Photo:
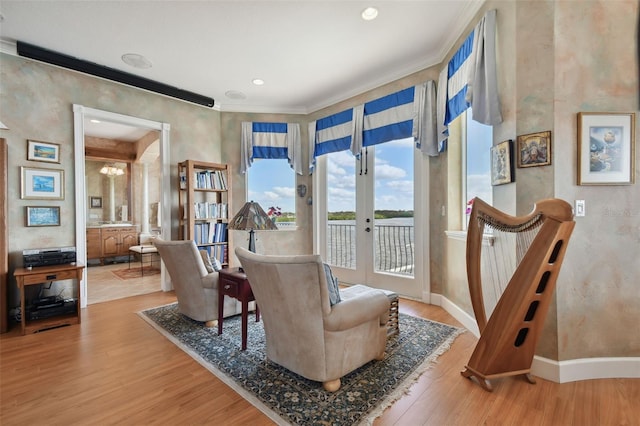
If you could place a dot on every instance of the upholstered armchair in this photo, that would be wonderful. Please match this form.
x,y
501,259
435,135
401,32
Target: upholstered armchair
x,y
196,288
304,332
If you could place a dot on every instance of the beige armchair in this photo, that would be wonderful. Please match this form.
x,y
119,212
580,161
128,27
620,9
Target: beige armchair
x,y
196,288
304,333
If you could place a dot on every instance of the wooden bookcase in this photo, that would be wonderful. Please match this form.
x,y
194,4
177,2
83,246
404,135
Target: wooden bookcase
x,y
205,206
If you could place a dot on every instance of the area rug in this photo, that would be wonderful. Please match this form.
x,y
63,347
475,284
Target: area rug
x,y
135,272
287,398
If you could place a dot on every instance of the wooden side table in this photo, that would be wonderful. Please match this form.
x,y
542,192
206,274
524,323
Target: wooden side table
x,y
40,275
232,282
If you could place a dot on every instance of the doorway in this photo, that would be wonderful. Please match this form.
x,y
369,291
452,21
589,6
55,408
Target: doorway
x,y
370,225
81,115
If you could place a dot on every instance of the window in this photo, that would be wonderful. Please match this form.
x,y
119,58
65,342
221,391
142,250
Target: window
x,y
477,142
469,167
271,183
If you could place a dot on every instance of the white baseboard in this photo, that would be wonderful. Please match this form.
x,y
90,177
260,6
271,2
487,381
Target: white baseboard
x,y
557,371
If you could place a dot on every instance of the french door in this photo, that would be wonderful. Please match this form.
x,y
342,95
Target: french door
x,y
369,210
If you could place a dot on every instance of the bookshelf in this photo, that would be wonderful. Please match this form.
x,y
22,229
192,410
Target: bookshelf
x,y
204,203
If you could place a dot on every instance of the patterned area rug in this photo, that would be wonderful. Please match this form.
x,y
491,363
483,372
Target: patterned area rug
x,y
126,274
290,399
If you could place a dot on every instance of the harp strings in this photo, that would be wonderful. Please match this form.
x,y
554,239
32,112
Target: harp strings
x,y
500,260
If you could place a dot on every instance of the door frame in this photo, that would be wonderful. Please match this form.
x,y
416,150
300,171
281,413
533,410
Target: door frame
x,y
80,113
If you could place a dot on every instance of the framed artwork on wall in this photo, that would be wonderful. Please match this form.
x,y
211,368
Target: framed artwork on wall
x,y
42,184
502,163
534,149
43,216
606,148
95,202
43,151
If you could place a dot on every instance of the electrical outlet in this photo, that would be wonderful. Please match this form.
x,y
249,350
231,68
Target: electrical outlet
x,y
580,208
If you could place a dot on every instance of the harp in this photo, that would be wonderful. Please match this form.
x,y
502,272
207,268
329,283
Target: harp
x,y
512,278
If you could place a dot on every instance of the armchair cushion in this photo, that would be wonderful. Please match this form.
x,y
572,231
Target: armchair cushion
x,y
332,285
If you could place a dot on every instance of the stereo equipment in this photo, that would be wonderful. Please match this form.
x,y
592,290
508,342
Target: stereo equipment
x,y
49,256
51,309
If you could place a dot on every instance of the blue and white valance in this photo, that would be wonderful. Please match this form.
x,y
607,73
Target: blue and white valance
x,y
271,140
471,78
400,115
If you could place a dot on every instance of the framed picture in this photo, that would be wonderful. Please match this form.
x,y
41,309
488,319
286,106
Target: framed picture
x,y
42,184
43,216
534,149
95,202
606,144
43,151
502,163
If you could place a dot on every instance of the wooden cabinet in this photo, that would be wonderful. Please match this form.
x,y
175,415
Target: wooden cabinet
x,y
117,240
94,243
205,202
110,241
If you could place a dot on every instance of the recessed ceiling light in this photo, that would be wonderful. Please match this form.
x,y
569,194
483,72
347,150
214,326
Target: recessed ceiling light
x,y
369,13
93,120
136,61
235,94
258,81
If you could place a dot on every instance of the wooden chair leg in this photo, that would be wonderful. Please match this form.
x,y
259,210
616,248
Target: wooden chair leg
x,y
331,385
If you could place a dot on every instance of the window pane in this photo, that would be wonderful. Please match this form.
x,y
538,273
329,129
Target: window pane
x,y
271,183
341,209
478,155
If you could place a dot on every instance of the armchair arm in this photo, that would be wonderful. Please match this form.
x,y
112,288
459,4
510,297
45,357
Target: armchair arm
x,y
357,310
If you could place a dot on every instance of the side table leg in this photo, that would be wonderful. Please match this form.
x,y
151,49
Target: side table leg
x,y
245,318
220,311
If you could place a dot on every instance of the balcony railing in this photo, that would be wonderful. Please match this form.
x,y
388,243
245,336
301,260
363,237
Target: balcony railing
x,y
394,247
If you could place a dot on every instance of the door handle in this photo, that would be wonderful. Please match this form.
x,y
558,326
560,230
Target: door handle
x,y
367,229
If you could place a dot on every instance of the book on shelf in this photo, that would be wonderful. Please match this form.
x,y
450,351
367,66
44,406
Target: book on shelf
x,y
210,179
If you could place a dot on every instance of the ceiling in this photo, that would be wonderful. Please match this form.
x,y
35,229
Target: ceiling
x,y
310,54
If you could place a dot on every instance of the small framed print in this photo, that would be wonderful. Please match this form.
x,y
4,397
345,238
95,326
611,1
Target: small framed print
x,y
43,151
502,163
534,149
95,202
606,145
43,216
42,184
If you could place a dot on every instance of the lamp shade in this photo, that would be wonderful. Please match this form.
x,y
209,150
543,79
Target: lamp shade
x,y
252,217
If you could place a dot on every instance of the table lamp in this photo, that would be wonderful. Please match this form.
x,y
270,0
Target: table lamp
x,y
251,217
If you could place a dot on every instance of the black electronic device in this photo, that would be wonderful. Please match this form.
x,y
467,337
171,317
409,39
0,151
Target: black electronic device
x,y
58,307
48,256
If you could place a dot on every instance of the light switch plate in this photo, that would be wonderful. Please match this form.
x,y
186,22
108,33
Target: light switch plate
x,y
580,208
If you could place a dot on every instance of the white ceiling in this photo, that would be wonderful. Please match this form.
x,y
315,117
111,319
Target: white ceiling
x,y
311,54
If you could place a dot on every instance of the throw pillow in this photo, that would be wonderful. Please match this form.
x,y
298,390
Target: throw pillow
x,y
332,285
207,262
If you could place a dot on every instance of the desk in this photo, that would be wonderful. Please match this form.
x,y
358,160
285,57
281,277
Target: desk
x,y
142,250
232,282
40,275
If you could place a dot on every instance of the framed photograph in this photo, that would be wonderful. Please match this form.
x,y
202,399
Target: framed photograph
x,y
43,216
43,151
95,202
42,184
606,144
534,149
502,163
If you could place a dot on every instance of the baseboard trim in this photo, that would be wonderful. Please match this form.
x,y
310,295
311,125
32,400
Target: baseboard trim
x,y
556,371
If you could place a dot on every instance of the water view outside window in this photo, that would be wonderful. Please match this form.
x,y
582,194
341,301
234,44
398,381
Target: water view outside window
x,y
271,183
392,220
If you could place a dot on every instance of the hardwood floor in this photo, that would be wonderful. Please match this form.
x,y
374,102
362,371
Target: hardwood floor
x,y
114,368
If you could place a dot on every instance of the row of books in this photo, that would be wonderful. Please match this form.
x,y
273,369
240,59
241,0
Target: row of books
x,y
207,210
210,232
219,252
205,179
